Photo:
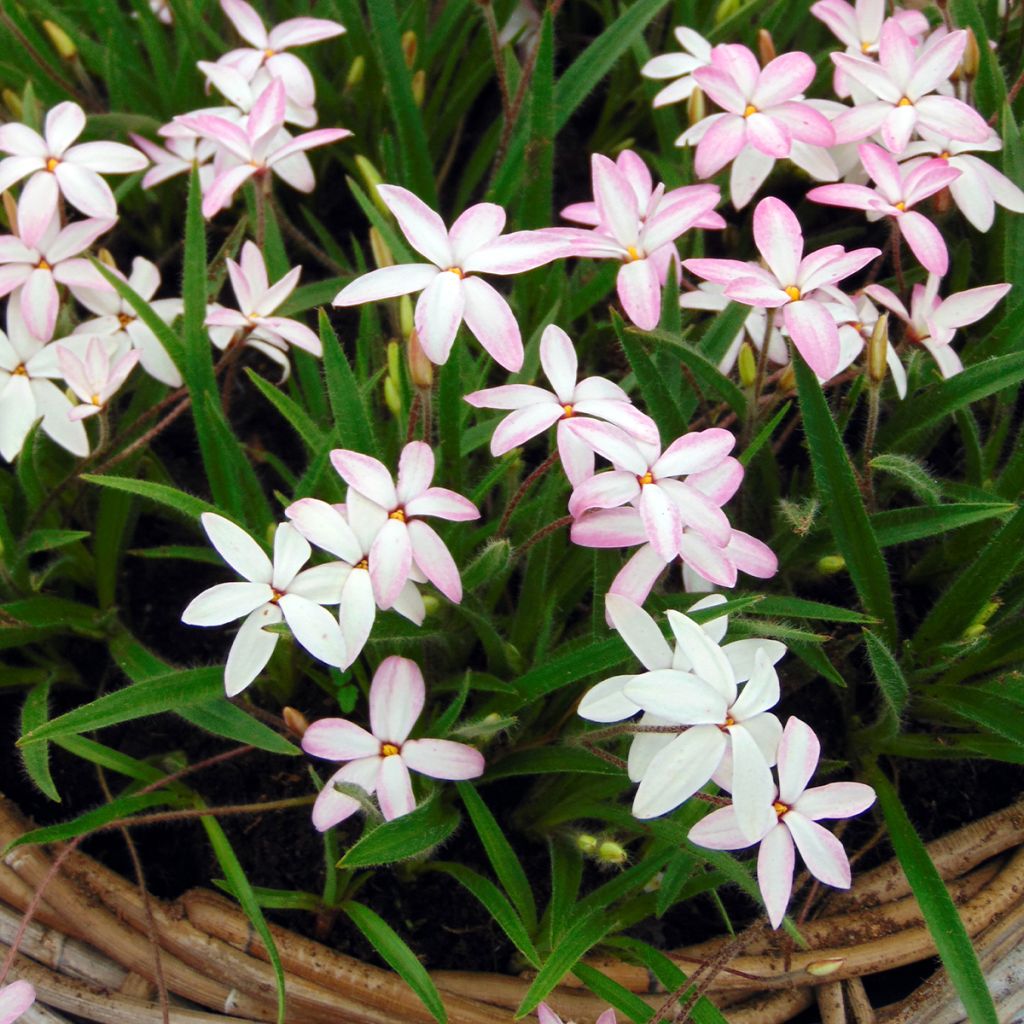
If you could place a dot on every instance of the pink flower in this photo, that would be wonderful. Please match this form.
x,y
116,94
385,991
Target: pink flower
x,y
268,593
379,760
762,107
679,66
897,188
95,379
638,224
15,999
405,541
58,168
348,532
254,323
267,48
545,1015
980,187
932,322
242,92
451,290
37,269
788,278
903,83
536,409
258,147
796,811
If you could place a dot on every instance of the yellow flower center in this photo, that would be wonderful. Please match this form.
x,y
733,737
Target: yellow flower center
x,y
567,409
19,371
364,564
647,478
124,319
96,400
729,720
43,265
905,102
751,109
276,595
633,253
780,809
457,271
399,514
51,164
901,206
793,292
267,54
865,47
945,155
388,750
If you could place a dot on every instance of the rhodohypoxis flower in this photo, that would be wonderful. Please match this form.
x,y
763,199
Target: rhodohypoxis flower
x,y
271,591
183,151
795,813
348,531
27,392
860,26
15,999
254,323
898,187
788,278
451,290
242,92
649,479
115,318
980,187
379,760
904,82
94,378
535,409
268,48
638,224
260,145
679,66
36,269
545,1015
932,322
58,168
405,541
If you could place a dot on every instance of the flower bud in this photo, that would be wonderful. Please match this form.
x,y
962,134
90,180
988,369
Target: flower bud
x,y
410,45
295,720
695,106
488,564
431,605
978,625
13,103
11,209
878,348
942,202
381,253
971,59
394,369
62,42
391,397
726,9
421,369
371,176
419,87
611,852
586,843
831,564
106,257
765,46
356,72
747,365
787,379
823,968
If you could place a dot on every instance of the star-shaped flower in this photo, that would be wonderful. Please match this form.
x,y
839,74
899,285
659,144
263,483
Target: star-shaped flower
x,y
95,378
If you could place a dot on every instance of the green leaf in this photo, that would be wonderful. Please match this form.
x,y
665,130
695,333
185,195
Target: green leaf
x,y
800,608
989,710
989,84
34,713
352,421
613,993
888,673
537,206
51,540
910,473
501,855
398,955
764,435
902,525
408,836
496,904
947,930
571,667
840,495
276,899
225,719
25,619
657,398
549,760
300,420
170,497
711,380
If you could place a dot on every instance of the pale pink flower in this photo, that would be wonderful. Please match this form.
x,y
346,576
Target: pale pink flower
x,y
980,187
243,92
638,224
405,542
795,813
37,269
932,322
451,289
904,82
181,152
254,323
545,1015
259,146
267,49
650,480
59,168
117,320
679,66
348,532
788,278
27,392
535,409
897,189
15,999
859,27
271,591
379,760
95,378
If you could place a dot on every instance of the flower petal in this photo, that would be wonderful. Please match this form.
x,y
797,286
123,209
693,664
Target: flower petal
x,y
420,224
836,800
439,311
367,475
336,739
443,759
386,283
798,757
316,629
822,852
492,322
394,788
237,548
390,561
397,695
815,335
332,807
775,863
251,649
779,238
640,632
679,770
225,602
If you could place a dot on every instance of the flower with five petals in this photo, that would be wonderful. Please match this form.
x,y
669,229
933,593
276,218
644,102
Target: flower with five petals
x,y
94,378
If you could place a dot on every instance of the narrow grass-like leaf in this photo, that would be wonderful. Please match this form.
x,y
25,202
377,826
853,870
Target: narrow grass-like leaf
x,y
187,505
550,760
351,418
571,667
657,398
764,435
940,914
801,608
611,992
34,713
222,718
989,84
408,836
902,525
839,493
989,710
888,673
301,422
537,206
910,473
705,371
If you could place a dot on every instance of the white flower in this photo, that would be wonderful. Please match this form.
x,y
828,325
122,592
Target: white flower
x,y
95,379
679,66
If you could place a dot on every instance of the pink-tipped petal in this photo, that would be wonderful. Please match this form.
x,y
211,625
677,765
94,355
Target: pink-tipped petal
x,y
798,757
822,852
443,759
367,475
434,560
782,79
836,800
516,429
639,292
925,241
721,143
397,695
421,226
443,504
492,322
611,528
438,314
779,238
332,807
390,561
336,739
815,335
775,862
558,358
476,227
394,789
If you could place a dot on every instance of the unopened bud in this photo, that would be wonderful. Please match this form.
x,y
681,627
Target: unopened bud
x,y
485,568
371,176
748,365
973,632
586,843
726,9
295,720
695,106
977,626
381,253
12,101
431,605
406,321
831,564
11,209
421,369
878,348
787,379
823,968
391,397
942,202
971,60
765,46
419,87
62,42
611,852
410,45
106,257
394,370
355,72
